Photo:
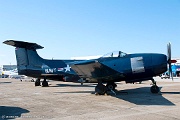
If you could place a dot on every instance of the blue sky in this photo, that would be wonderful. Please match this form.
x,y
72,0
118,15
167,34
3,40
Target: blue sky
x,y
68,28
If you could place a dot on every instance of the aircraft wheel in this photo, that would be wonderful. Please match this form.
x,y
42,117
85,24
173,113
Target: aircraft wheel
x,y
45,83
154,89
37,82
111,86
100,89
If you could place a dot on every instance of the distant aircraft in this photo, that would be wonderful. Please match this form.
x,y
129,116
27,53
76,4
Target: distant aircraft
x,y
111,68
10,74
1,71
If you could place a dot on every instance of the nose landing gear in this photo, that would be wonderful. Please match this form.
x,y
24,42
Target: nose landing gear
x,y
154,87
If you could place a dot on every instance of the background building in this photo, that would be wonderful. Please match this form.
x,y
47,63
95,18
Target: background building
x,y
8,67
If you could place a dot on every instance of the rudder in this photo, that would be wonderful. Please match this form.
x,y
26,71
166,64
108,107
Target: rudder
x,y
26,55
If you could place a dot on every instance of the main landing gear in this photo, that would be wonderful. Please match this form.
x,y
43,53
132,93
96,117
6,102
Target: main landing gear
x,y
37,82
154,87
44,83
101,89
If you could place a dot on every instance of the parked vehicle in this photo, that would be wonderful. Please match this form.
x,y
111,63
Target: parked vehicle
x,y
165,75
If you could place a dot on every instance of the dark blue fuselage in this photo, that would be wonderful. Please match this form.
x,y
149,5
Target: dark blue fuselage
x,y
129,68
116,66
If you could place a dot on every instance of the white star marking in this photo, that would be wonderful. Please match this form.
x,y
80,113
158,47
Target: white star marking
x,y
67,68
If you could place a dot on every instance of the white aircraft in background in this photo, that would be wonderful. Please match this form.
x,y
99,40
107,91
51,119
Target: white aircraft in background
x,y
1,71
10,74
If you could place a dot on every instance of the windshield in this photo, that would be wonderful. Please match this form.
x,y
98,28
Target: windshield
x,y
115,54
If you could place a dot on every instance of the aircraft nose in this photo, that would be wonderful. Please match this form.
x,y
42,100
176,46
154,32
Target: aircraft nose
x,y
159,62
159,59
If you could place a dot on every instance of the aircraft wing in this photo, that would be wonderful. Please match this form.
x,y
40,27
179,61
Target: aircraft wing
x,y
94,70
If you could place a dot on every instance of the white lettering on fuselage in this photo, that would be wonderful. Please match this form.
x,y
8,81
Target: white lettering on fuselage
x,y
50,70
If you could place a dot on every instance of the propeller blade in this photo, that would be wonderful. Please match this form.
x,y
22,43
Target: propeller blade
x,y
169,59
169,52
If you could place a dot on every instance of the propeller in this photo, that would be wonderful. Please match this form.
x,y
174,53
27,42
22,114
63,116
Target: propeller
x,y
169,59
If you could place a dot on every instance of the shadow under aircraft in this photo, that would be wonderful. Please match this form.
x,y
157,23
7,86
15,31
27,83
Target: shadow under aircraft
x,y
9,112
111,68
138,96
141,96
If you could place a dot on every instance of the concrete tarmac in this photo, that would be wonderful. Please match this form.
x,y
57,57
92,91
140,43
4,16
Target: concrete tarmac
x,y
71,101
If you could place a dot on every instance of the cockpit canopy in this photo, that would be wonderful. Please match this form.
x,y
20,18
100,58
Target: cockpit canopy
x,y
114,54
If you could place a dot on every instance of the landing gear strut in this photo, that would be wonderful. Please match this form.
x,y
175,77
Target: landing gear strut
x,y
154,87
100,89
82,80
45,83
37,82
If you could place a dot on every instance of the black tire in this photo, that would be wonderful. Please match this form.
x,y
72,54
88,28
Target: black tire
x,y
37,83
45,84
111,86
154,89
100,89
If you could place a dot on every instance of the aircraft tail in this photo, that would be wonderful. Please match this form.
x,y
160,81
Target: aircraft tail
x,y
29,63
26,55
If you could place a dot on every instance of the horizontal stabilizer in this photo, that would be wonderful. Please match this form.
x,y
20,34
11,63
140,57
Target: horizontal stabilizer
x,y
22,44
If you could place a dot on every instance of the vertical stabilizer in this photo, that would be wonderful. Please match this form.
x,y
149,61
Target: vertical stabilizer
x,y
26,55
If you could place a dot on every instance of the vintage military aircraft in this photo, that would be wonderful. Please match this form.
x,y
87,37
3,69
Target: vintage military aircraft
x,y
111,68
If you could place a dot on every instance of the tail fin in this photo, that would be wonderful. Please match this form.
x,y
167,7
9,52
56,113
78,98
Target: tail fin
x,y
26,55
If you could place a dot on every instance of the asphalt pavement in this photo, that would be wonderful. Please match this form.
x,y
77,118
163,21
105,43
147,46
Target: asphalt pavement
x,y
71,101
